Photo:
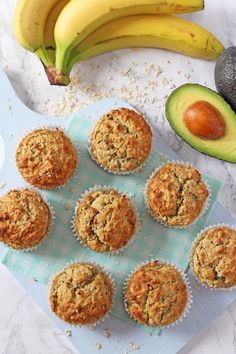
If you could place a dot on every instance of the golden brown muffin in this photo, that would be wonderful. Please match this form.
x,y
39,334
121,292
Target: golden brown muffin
x,y
156,294
176,194
105,220
24,219
81,294
46,158
213,257
121,141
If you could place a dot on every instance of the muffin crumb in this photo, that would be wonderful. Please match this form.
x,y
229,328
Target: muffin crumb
x,y
68,333
98,346
106,333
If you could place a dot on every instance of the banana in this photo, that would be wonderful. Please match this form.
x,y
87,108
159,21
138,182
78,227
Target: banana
x,y
155,31
49,40
32,29
80,18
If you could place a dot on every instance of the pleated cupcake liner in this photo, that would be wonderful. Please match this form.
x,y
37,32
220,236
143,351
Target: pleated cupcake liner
x,y
50,226
184,278
124,173
51,128
159,220
102,269
137,226
198,238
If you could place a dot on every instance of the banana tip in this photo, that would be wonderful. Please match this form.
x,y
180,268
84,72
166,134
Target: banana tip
x,y
56,77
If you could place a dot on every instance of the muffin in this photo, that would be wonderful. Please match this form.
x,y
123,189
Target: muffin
x,y
121,141
81,294
105,220
25,219
213,257
46,158
176,194
156,295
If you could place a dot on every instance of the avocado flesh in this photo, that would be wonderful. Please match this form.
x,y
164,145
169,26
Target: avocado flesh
x,y
185,95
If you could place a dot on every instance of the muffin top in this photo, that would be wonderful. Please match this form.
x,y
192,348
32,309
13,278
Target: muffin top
x,y
213,257
24,219
105,220
176,194
46,158
81,294
156,295
121,140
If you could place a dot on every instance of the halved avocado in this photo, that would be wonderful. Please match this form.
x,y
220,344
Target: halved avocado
x,y
185,96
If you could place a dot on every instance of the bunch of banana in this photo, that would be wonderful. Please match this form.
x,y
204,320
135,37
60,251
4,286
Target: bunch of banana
x,y
62,32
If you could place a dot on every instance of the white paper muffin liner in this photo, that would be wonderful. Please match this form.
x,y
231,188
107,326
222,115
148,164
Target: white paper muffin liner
x,y
185,279
106,188
138,168
198,237
101,268
204,208
50,226
51,128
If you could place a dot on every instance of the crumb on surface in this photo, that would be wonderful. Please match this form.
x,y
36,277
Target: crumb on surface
x,y
67,206
68,333
106,333
98,346
133,346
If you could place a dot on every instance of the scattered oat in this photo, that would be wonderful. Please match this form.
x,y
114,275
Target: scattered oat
x,y
67,206
98,346
106,333
72,190
68,333
92,327
133,346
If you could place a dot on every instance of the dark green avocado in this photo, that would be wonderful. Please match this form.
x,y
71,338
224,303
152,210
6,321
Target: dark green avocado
x,y
225,76
185,96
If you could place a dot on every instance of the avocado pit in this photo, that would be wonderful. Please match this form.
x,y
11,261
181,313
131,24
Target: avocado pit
x,y
203,120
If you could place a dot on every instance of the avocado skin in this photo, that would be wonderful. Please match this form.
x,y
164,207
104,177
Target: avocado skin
x,y
225,75
201,149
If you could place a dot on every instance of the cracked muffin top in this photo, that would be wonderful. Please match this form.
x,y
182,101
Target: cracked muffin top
x,y
156,294
24,219
121,141
105,220
81,294
46,158
213,257
176,194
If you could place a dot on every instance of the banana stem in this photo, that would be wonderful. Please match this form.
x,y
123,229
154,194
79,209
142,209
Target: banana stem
x,y
45,57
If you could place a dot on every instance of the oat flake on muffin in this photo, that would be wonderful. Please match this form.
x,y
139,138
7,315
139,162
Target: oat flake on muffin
x,y
81,294
25,219
156,295
121,141
46,158
213,257
176,194
105,220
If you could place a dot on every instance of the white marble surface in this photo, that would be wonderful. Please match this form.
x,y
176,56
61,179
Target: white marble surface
x,y
135,76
